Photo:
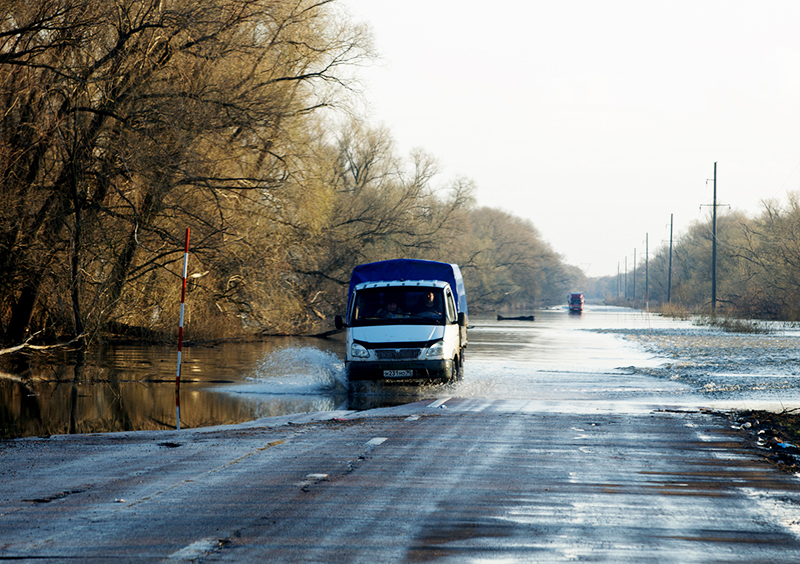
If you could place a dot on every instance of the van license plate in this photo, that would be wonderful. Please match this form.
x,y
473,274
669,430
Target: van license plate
x,y
398,373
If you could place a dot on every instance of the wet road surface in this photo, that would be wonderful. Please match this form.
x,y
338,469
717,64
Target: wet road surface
x,y
447,480
556,447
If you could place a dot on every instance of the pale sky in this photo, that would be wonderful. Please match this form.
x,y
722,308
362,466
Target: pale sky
x,y
595,119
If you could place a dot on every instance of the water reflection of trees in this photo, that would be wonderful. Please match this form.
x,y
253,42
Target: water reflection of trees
x,y
133,388
77,405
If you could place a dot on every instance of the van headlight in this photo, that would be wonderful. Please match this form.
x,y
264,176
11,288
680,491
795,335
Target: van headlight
x,y
358,351
436,350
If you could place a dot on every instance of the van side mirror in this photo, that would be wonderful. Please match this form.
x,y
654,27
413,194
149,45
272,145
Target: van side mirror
x,y
462,319
338,322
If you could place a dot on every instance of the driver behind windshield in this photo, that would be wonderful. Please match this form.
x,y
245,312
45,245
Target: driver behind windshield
x,y
429,305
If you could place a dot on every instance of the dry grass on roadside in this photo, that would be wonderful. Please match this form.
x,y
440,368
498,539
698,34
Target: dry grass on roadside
x,y
731,325
674,310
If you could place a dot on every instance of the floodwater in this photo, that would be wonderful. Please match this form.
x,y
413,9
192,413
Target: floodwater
x,y
604,359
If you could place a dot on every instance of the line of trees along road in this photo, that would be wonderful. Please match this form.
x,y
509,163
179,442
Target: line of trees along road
x,y
125,122
758,266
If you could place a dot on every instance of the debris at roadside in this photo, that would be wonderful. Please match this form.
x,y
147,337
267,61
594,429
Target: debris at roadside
x,y
776,436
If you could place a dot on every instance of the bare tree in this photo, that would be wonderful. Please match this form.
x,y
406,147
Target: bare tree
x,y
125,121
380,206
508,264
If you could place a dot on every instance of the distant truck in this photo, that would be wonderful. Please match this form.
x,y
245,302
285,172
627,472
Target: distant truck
x,y
575,301
406,320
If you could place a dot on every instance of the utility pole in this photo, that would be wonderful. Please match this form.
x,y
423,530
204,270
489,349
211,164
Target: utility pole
x,y
669,272
626,278
714,250
634,277
714,246
647,271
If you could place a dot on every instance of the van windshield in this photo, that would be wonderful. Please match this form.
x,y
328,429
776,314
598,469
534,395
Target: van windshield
x,y
393,305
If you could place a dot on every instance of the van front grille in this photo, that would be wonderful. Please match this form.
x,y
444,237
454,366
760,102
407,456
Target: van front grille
x,y
395,354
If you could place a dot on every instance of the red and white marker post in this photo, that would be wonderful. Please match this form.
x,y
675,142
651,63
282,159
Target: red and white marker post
x,y
180,335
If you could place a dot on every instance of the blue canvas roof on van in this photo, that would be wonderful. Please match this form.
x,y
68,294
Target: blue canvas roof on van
x,y
411,269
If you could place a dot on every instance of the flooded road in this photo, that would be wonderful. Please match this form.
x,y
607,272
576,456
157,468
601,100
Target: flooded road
x,y
570,439
620,358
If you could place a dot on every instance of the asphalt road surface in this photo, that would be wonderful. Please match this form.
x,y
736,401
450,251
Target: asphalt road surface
x,y
446,480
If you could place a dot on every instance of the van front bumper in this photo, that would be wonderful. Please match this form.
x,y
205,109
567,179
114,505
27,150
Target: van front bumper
x,y
412,370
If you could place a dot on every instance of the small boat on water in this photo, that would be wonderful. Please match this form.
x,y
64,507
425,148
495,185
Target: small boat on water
x,y
518,318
